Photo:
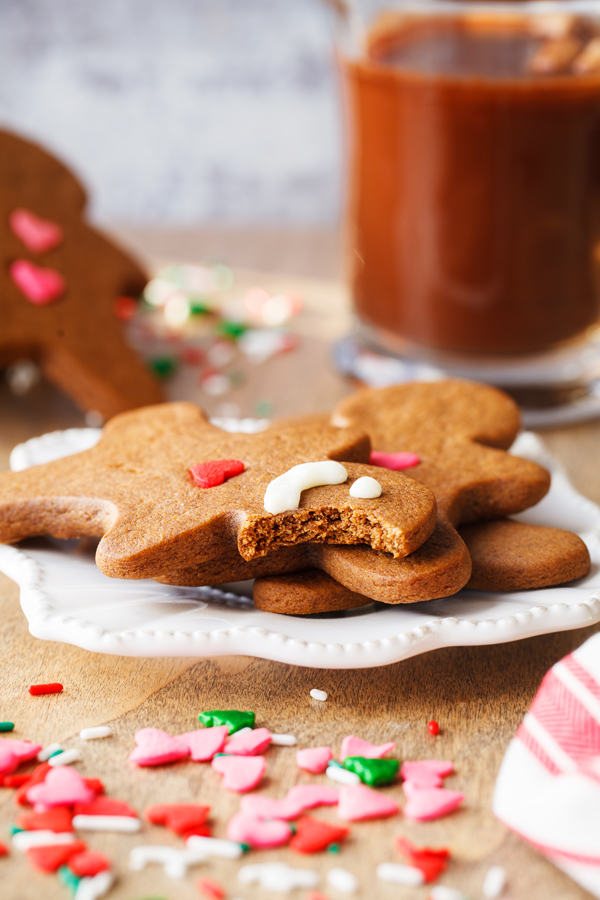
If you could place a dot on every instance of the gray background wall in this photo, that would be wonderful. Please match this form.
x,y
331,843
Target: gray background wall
x,y
181,111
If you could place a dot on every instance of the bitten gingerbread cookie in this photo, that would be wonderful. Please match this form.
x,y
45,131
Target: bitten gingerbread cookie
x,y
139,488
60,279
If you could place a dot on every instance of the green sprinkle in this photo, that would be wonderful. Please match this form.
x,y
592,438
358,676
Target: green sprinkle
x,y
69,879
292,828
337,765
245,847
264,409
14,829
199,308
373,771
333,848
163,366
7,726
56,753
233,718
231,329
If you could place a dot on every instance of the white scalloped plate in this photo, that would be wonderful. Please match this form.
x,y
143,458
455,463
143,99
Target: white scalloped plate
x,y
66,598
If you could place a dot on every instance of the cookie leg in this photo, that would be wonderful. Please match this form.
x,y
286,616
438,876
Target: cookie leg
x,y
511,556
303,593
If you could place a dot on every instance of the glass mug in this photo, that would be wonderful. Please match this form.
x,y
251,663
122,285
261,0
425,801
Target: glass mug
x,y
474,197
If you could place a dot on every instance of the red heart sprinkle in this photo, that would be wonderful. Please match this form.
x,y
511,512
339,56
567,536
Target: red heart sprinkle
x,y
95,784
3,850
35,777
431,862
88,863
49,859
37,234
104,806
40,286
58,819
210,474
211,889
177,817
313,835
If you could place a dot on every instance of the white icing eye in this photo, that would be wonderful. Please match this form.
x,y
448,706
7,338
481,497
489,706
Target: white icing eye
x,y
366,488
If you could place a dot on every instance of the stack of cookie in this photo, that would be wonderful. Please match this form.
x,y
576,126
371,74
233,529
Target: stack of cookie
x,y
325,515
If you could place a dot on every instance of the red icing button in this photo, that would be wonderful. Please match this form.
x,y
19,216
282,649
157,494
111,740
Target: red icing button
x,y
210,474
88,863
313,835
178,817
40,286
125,308
58,819
49,859
37,234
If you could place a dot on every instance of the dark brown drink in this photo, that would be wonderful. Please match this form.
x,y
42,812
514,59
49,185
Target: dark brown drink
x,y
475,193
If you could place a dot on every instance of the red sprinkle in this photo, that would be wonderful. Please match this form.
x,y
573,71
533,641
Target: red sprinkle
x,y
313,835
433,727
88,863
51,858
431,862
14,781
211,889
54,688
210,474
3,850
316,895
125,308
36,777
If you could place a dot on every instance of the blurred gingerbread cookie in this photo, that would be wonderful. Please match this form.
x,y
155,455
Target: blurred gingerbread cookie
x,y
60,280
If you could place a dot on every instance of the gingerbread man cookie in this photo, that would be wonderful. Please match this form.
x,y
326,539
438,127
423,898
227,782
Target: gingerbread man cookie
x,y
60,279
138,489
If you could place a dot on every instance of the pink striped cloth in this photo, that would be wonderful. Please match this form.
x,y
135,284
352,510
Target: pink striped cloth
x,y
548,787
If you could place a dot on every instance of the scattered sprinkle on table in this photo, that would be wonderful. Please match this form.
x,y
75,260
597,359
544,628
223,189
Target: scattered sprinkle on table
x,y
64,758
49,751
342,880
341,775
7,726
442,892
210,888
92,734
433,727
392,873
284,740
107,823
318,695
37,689
494,883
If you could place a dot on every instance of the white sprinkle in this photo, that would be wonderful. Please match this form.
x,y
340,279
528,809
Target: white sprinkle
x,y
127,824
342,880
442,892
284,740
244,730
47,752
366,488
91,888
175,862
91,734
63,759
215,846
342,776
23,840
278,876
397,874
318,695
494,883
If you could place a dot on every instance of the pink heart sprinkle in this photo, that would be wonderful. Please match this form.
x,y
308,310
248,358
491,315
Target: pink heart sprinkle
x,y
62,786
40,286
37,234
297,800
251,743
429,803
204,742
394,461
13,753
254,831
314,759
359,802
353,746
240,773
155,747
426,772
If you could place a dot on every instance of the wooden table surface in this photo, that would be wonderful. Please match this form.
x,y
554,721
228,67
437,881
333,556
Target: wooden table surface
x,y
479,695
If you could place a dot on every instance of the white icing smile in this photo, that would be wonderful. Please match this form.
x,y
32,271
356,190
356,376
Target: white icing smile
x,y
284,492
